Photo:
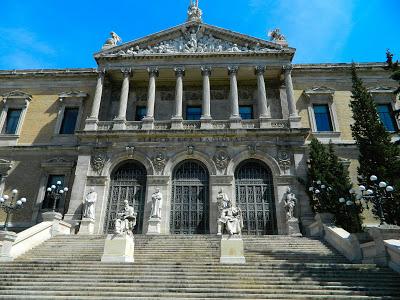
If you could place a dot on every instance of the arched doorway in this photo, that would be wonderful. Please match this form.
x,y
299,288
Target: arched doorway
x,y
128,182
255,196
190,199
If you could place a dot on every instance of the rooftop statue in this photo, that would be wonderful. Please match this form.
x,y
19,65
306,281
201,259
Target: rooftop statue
x,y
194,12
277,37
113,41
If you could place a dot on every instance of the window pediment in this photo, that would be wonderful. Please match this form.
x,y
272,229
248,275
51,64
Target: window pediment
x,y
319,92
17,99
72,97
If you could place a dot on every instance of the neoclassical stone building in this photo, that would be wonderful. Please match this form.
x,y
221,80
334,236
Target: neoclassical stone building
x,y
190,110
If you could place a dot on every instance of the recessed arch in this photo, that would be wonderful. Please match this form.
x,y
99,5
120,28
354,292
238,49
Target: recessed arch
x,y
255,196
127,182
196,155
190,198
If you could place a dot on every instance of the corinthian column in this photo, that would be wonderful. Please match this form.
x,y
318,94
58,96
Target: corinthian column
x,y
119,122
177,118
206,105
294,118
234,97
91,122
148,121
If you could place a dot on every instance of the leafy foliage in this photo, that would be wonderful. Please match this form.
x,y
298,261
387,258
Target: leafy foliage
x,y
395,68
324,166
377,154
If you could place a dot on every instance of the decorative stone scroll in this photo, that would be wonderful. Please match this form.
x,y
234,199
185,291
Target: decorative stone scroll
x,y
97,161
159,162
284,161
221,159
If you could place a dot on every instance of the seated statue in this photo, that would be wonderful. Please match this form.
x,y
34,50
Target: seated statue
x,y
126,220
230,219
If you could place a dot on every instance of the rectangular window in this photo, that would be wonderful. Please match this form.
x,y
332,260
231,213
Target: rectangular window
x,y
48,201
193,112
68,123
322,117
386,115
141,112
12,120
246,112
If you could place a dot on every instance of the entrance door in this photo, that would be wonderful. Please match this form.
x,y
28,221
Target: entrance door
x,y
128,182
190,203
255,196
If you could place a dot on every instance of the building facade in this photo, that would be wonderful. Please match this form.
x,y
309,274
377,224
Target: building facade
x,y
191,110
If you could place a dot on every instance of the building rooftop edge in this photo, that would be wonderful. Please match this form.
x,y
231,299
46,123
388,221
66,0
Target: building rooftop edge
x,y
78,71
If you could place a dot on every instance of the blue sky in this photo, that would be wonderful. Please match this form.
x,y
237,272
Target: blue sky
x,y
66,33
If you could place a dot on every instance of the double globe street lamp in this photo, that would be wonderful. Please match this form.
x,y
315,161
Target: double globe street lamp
x,y
10,206
56,192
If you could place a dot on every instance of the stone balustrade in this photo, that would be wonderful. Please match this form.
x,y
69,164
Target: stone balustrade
x,y
190,125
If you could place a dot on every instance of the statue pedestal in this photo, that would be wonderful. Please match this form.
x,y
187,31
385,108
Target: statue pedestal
x,y
232,250
154,226
87,226
7,238
293,227
118,248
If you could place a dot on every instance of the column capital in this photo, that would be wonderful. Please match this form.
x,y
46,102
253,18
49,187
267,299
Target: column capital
x,y
179,71
126,72
233,70
101,72
288,68
206,70
258,70
153,71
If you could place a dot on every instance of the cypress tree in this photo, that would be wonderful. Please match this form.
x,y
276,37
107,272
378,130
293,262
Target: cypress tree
x,y
377,154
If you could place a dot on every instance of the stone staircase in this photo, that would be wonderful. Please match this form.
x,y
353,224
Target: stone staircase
x,y
187,267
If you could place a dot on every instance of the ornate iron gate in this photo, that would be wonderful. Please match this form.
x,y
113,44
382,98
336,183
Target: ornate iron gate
x,y
255,196
189,205
128,182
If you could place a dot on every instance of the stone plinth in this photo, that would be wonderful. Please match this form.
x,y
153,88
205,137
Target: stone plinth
x,y
235,122
119,249
154,226
380,234
232,251
7,238
51,216
87,226
265,122
393,250
293,227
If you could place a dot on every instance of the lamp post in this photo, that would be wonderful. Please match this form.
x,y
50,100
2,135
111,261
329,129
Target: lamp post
x,y
376,192
347,204
10,206
56,192
319,191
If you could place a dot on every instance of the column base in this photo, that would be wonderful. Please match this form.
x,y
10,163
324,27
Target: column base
x,y
265,122
232,250
7,238
206,122
154,226
295,122
119,249
177,123
235,122
119,124
87,226
148,123
91,124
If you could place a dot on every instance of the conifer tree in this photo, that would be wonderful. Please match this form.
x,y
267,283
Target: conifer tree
x,y
324,166
377,154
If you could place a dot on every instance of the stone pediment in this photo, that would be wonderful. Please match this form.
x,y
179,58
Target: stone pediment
x,y
382,89
17,94
193,38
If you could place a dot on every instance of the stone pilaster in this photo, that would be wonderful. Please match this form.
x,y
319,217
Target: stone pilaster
x,y
235,118
91,122
177,118
148,121
119,122
294,118
264,110
206,105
